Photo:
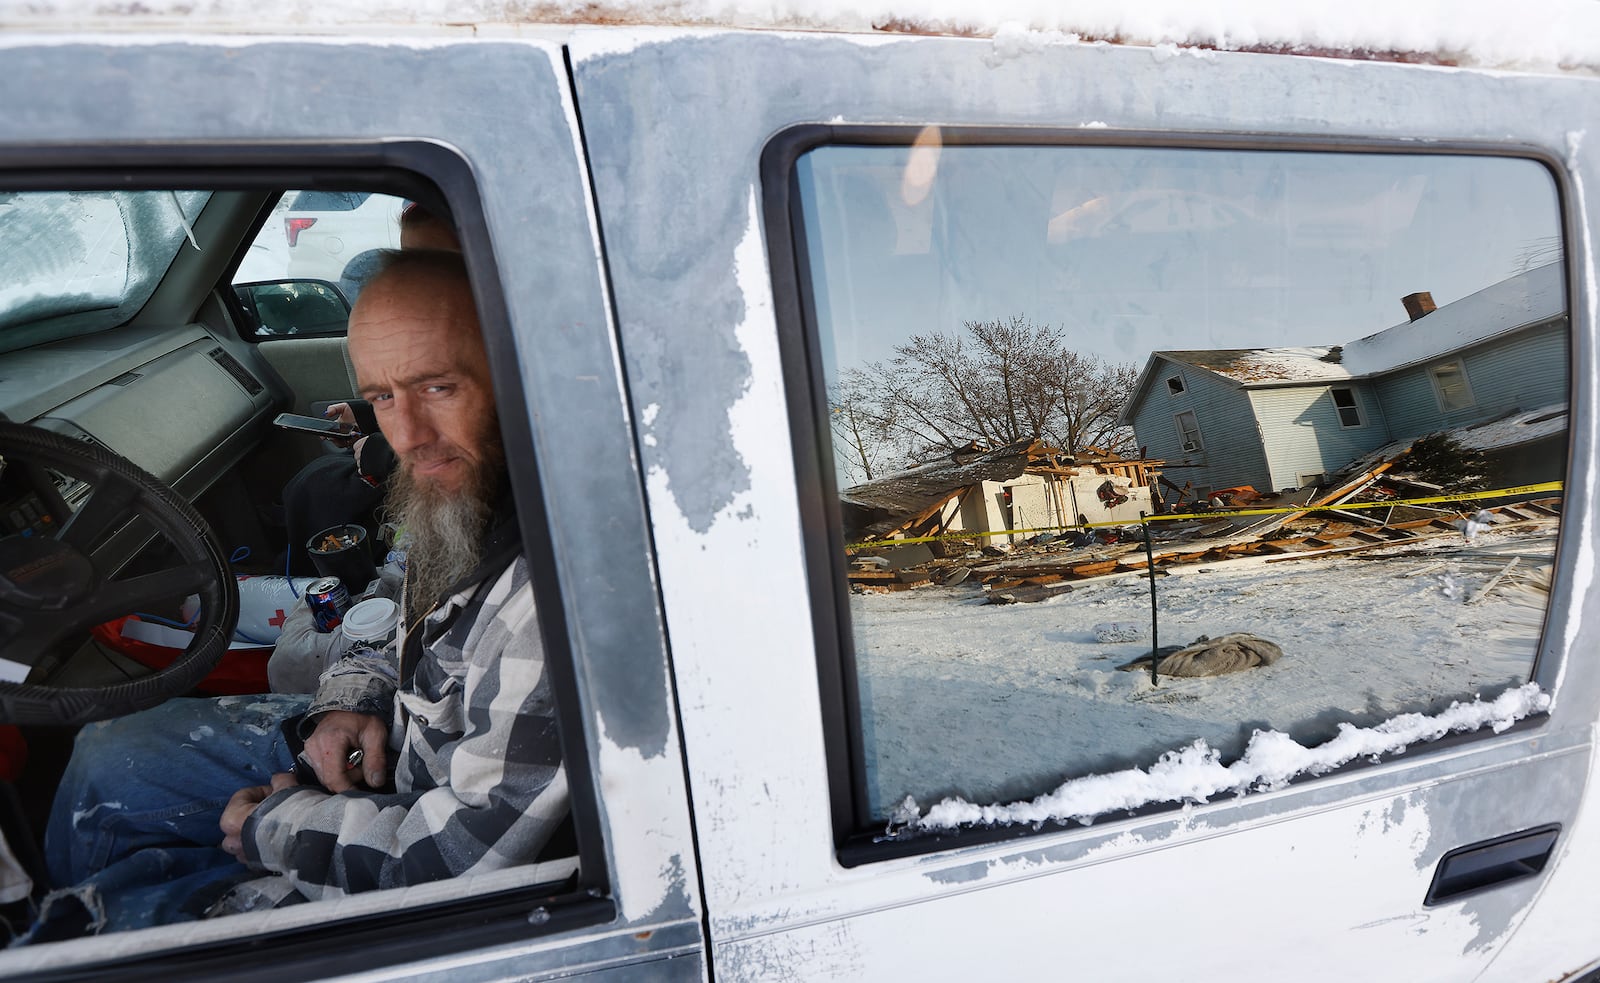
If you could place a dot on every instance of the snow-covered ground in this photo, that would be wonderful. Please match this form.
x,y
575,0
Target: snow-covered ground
x,y
996,703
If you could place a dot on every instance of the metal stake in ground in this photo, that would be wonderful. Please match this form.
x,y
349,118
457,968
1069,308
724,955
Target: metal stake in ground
x,y
1150,561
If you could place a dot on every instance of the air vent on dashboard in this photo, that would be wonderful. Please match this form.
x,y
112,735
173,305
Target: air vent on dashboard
x,y
240,374
126,379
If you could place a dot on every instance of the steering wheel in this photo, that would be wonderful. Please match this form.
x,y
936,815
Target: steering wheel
x,y
54,588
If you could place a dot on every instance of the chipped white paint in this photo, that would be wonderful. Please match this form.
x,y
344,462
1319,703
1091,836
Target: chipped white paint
x,y
650,846
746,671
1353,849
1203,912
1357,847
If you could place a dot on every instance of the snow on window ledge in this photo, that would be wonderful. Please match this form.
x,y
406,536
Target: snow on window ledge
x,y
1195,773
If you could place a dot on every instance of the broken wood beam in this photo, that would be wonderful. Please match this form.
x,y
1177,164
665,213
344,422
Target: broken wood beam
x,y
1359,482
1336,551
1494,581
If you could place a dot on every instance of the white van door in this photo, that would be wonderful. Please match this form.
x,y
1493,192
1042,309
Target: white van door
x,y
484,132
857,277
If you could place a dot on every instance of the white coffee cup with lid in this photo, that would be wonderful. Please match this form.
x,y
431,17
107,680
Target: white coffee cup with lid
x,y
373,621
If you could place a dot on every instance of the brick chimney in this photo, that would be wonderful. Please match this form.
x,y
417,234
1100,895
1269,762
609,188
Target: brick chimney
x,y
1418,304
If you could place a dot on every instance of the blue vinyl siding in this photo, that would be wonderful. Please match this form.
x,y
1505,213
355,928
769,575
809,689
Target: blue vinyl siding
x,y
1271,436
1304,435
1522,372
1232,443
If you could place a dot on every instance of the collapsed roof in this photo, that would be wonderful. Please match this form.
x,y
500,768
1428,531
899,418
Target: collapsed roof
x,y
879,507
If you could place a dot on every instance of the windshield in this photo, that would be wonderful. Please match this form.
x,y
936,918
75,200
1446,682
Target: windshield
x,y
76,262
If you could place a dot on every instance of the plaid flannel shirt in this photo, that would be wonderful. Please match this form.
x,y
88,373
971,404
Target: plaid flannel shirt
x,y
479,783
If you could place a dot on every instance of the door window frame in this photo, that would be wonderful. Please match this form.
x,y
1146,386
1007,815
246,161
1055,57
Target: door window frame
x,y
859,837
429,172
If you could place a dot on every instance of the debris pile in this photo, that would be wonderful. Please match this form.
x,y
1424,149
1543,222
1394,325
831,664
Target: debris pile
x,y
1377,503
1234,652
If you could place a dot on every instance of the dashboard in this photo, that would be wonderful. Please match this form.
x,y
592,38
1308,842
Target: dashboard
x,y
180,402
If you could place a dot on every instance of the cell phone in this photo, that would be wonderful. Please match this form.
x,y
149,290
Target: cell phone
x,y
317,425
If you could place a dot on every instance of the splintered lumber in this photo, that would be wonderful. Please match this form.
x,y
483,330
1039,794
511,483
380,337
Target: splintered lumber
x,y
1346,550
928,513
1357,517
1285,542
872,576
1357,483
1494,581
886,577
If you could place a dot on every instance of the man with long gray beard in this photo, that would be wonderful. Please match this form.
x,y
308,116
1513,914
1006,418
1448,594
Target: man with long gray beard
x,y
460,766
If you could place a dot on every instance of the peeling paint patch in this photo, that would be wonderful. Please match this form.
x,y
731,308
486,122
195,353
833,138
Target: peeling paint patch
x,y
828,952
646,863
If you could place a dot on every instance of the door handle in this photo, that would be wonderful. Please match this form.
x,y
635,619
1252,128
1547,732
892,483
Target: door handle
x,y
1478,866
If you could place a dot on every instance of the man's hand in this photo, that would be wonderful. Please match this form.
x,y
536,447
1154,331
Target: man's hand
x,y
243,805
338,733
343,414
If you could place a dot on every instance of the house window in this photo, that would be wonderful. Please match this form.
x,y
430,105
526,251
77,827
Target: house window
x,y
1189,432
1175,384
1451,385
1349,410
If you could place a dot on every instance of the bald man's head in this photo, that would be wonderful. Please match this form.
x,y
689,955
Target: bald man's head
x,y
421,362
422,229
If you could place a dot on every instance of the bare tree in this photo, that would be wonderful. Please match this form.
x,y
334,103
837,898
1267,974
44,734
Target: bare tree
x,y
864,434
996,382
1089,396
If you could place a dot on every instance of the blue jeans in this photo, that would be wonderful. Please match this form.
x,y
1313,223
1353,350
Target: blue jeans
x,y
133,838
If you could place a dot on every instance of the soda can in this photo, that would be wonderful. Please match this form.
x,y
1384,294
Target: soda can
x,y
328,601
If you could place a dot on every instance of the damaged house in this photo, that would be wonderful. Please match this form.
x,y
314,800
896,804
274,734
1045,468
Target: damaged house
x,y
1025,485
1488,368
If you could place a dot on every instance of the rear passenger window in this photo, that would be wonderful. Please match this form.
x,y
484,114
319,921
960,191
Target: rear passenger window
x,y
1323,395
307,264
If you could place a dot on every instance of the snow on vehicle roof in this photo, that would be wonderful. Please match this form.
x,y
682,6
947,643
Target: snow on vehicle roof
x,y
1539,35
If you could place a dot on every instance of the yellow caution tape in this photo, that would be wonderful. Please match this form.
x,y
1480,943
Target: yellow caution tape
x,y
1547,486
